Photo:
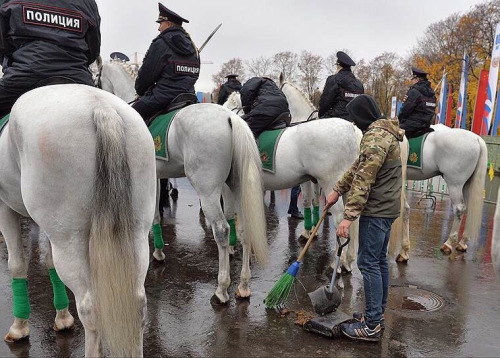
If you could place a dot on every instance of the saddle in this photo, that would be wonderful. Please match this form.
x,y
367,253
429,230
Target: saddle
x,y
181,101
54,80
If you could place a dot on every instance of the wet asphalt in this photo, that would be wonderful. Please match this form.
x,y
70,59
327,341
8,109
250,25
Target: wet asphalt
x,y
182,322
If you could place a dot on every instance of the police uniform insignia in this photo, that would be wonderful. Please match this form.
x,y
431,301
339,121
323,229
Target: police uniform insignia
x,y
264,157
158,145
47,16
413,157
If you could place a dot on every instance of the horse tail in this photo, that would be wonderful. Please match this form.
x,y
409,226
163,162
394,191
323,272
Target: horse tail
x,y
113,268
474,193
248,174
397,226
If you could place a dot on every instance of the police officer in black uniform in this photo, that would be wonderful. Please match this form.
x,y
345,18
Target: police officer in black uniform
x,y
171,66
419,106
340,89
227,88
263,103
46,42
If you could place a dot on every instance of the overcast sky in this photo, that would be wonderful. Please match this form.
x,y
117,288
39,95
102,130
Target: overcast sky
x,y
254,28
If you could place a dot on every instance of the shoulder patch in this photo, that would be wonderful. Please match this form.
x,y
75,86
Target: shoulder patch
x,y
186,68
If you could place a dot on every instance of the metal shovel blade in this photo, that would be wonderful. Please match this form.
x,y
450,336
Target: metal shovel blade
x,y
324,301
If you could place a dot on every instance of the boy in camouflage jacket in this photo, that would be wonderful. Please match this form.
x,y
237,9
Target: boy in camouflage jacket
x,y
374,184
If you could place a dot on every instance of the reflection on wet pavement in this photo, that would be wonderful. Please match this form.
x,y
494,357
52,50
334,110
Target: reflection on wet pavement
x,y
181,321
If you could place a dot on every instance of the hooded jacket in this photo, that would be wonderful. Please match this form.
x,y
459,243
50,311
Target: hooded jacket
x,y
418,107
227,88
261,97
171,67
40,39
374,180
339,90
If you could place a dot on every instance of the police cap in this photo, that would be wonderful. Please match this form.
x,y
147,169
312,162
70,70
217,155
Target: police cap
x,y
231,76
169,15
418,72
344,60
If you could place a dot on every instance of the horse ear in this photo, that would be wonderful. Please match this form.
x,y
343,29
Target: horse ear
x,y
282,78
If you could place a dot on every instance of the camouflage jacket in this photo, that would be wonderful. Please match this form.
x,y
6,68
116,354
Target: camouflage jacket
x,y
374,180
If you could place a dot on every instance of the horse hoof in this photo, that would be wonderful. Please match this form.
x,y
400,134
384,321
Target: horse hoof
x,y
461,247
240,297
158,255
346,270
64,320
401,259
15,335
231,250
446,249
216,301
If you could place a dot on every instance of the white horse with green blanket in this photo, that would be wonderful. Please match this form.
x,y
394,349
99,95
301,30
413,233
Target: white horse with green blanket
x,y
80,162
215,150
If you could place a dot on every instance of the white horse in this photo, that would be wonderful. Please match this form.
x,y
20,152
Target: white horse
x,y
80,163
319,150
495,244
461,158
215,150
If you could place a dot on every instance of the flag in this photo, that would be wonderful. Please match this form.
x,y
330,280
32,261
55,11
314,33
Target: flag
x,y
491,172
489,104
462,95
449,103
393,106
477,123
441,115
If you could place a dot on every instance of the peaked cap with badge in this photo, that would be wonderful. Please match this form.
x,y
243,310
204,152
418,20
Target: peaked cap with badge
x,y
417,72
344,59
168,15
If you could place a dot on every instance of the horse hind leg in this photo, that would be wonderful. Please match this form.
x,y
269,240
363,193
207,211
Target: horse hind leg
x,y
159,244
458,206
220,228
229,213
307,195
243,290
18,266
64,319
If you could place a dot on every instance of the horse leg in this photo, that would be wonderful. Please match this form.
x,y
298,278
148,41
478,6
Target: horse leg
x,y
159,244
458,206
403,226
316,192
220,228
18,266
307,194
243,291
229,213
64,319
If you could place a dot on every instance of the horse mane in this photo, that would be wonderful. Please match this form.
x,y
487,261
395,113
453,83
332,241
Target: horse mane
x,y
232,98
130,69
300,92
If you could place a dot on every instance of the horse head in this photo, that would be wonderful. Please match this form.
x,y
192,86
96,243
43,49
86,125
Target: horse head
x,y
234,102
301,107
118,77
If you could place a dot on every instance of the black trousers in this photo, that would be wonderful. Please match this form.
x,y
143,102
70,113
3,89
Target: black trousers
x,y
8,97
259,123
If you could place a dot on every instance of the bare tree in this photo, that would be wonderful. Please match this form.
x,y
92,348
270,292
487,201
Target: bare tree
x,y
286,63
310,66
260,66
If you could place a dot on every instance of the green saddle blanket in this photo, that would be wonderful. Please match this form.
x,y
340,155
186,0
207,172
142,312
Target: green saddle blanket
x,y
3,122
268,142
159,130
415,152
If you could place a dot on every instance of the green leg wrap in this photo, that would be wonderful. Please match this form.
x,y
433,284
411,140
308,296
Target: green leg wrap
x,y
315,215
21,302
307,219
233,239
158,237
61,300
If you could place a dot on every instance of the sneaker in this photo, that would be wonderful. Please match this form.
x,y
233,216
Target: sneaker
x,y
360,331
360,317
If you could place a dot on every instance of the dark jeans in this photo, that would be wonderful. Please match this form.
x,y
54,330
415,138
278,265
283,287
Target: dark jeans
x,y
374,236
8,97
294,197
146,111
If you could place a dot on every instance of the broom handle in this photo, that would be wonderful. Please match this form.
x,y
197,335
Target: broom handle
x,y
311,237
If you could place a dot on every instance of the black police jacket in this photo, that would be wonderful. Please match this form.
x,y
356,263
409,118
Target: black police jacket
x,y
339,90
260,96
40,39
171,67
227,88
419,106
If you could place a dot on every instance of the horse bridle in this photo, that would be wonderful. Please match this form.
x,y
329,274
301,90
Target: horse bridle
x,y
238,110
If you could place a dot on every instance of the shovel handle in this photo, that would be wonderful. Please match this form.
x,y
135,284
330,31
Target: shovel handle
x,y
340,245
311,236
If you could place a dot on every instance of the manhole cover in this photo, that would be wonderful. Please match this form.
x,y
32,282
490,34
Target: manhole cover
x,y
413,299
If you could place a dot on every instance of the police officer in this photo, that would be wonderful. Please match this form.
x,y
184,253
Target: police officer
x,y
46,42
171,66
340,89
227,88
419,106
263,102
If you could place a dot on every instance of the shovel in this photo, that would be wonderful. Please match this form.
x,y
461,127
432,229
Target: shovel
x,y
326,299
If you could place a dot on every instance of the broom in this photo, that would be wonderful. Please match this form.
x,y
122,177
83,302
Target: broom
x,y
281,290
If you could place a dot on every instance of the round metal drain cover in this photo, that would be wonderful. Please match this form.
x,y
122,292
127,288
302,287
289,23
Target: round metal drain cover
x,y
413,299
